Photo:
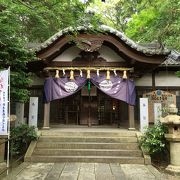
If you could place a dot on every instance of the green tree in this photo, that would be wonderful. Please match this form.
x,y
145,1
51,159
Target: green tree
x,y
27,21
158,20
143,21
36,21
13,53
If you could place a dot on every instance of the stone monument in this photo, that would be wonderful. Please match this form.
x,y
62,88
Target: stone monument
x,y
33,111
172,120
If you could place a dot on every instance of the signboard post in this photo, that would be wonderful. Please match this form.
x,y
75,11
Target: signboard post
x,y
144,122
160,97
33,111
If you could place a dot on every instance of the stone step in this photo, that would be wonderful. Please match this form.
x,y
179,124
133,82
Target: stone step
x,y
87,152
95,159
90,145
87,139
87,145
90,133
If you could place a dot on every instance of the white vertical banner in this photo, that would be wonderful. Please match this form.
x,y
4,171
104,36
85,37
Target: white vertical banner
x,y
33,111
157,112
4,79
144,116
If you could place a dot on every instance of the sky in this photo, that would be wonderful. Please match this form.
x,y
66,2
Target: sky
x,y
83,1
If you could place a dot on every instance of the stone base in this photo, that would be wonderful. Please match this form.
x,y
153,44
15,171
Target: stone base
x,y
147,159
174,170
46,128
131,129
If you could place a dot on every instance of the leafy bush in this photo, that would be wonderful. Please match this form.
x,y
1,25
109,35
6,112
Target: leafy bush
x,y
153,141
21,137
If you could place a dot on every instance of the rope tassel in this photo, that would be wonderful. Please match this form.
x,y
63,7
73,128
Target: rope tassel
x,y
57,74
124,75
88,74
71,75
108,75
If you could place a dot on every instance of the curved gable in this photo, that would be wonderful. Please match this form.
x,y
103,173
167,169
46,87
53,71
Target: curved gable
x,y
86,40
109,36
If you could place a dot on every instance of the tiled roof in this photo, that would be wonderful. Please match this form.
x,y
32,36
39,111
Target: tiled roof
x,y
107,29
172,60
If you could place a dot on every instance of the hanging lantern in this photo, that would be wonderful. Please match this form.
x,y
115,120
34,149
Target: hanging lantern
x,y
71,75
124,75
57,74
88,74
108,75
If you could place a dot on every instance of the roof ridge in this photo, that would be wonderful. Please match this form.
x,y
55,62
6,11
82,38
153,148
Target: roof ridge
x,y
105,28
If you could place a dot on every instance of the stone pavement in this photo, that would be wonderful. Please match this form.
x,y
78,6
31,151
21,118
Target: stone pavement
x,y
86,171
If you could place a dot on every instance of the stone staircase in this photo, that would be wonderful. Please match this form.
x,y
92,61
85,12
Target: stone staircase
x,y
118,146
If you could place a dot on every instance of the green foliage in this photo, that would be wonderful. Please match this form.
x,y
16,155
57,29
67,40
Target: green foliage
x,y
153,140
158,20
27,21
22,136
143,20
13,53
178,73
36,21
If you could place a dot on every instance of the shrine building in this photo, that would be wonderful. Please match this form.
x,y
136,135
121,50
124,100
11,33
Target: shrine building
x,y
88,77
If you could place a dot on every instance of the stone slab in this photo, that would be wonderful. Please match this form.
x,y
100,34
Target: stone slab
x,y
102,168
86,176
135,171
86,171
117,171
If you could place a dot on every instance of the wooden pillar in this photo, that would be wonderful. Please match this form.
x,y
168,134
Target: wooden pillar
x,y
46,115
131,117
46,74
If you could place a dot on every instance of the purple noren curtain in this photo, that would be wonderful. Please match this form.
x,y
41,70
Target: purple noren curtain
x,y
58,88
116,87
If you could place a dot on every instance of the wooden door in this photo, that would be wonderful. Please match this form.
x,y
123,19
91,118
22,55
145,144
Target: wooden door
x,y
88,115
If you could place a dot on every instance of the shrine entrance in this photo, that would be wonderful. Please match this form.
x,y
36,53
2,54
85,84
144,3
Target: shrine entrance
x,y
84,108
89,106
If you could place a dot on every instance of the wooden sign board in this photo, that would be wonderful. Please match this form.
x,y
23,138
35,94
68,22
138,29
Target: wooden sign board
x,y
163,97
